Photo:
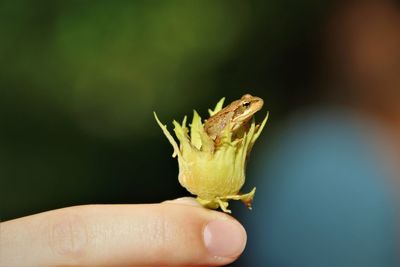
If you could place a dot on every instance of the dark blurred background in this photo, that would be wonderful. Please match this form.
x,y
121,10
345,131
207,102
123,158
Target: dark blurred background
x,y
79,81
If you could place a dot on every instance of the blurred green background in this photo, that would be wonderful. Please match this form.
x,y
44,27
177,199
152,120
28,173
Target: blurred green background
x,y
79,81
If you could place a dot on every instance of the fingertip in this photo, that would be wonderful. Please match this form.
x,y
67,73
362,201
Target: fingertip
x,y
225,239
223,236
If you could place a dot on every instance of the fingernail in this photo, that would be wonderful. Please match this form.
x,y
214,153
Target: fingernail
x,y
224,238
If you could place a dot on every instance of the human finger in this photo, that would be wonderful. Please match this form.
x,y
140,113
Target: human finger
x,y
166,234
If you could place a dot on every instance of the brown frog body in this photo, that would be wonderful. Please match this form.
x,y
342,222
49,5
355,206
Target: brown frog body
x,y
235,116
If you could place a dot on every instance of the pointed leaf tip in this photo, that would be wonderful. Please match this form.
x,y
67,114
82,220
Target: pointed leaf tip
x,y
218,107
169,137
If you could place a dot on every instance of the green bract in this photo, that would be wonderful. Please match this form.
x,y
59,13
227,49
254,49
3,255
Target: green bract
x,y
215,172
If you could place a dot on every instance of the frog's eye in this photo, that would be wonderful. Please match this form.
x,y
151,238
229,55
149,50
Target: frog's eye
x,y
246,104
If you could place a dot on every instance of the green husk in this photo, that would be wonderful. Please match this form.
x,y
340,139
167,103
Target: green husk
x,y
214,172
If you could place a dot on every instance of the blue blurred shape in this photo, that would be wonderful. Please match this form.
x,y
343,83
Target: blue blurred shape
x,y
324,197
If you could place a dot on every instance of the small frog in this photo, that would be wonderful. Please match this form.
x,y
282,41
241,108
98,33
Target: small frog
x,y
235,116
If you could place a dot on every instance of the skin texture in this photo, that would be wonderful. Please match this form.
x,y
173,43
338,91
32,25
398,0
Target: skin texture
x,y
173,233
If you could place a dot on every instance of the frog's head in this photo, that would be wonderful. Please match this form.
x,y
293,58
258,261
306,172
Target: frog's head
x,y
246,107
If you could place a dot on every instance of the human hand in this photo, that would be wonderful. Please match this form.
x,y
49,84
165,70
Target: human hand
x,y
172,233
